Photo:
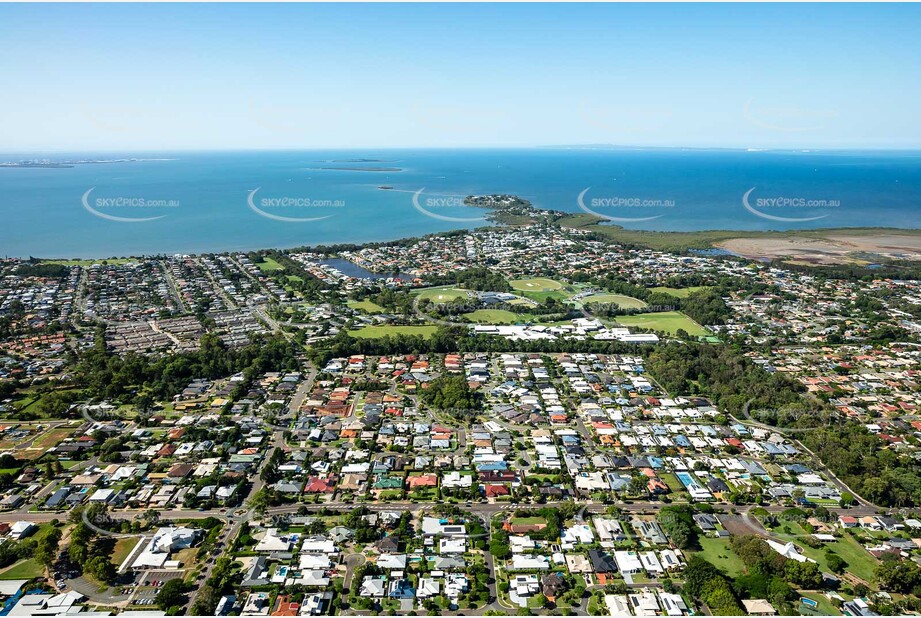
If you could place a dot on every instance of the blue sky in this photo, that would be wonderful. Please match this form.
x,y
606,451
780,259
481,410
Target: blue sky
x,y
180,76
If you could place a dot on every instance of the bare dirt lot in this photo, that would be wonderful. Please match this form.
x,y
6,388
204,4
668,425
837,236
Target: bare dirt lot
x,y
832,249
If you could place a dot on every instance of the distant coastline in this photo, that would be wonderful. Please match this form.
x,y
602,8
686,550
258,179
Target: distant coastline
x,y
716,242
51,164
685,197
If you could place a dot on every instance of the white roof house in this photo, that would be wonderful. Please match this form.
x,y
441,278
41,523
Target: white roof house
x,y
452,545
609,530
428,587
618,604
579,534
526,562
628,562
392,561
272,542
163,542
21,529
787,550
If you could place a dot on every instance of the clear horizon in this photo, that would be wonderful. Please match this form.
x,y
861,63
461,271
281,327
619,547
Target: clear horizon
x,y
186,77
126,152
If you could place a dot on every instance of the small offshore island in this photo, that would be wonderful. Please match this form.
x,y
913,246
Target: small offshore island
x,y
357,169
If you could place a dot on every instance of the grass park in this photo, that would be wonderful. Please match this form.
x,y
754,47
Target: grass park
x,y
268,265
665,321
536,284
496,316
624,302
378,332
679,292
442,294
365,305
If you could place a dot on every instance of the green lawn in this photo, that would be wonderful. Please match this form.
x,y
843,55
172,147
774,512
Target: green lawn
x,y
667,321
24,569
442,294
717,552
537,284
624,302
121,550
672,481
859,562
365,305
496,316
376,332
269,265
679,292
528,521
826,608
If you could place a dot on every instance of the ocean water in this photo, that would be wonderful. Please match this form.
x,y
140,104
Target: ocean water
x,y
201,202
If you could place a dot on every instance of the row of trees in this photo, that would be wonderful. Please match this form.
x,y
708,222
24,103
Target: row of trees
x,y
89,550
141,379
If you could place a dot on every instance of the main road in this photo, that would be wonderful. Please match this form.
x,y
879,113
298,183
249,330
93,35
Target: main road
x,y
479,509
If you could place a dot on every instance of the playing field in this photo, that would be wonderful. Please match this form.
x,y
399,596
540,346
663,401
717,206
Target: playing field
x,y
365,305
376,332
538,284
624,302
269,265
679,292
495,316
443,294
666,321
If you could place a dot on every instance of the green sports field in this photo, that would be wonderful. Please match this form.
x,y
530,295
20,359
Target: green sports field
x,y
624,302
376,332
365,305
538,284
442,294
269,265
496,316
679,292
666,321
